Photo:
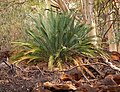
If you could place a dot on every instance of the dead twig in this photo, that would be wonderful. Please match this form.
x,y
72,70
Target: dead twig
x,y
111,65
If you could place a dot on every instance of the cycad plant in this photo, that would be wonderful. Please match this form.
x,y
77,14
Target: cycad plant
x,y
57,38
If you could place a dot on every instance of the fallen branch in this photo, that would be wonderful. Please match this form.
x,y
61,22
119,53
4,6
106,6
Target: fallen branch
x,y
111,65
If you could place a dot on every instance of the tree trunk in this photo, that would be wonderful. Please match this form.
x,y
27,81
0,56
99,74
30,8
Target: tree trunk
x,y
111,35
118,5
47,6
89,16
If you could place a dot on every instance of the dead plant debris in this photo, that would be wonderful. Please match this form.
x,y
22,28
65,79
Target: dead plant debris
x,y
98,76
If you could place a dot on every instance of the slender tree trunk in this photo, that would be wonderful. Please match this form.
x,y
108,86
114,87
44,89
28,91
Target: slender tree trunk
x,y
85,11
81,1
47,6
111,35
89,16
118,23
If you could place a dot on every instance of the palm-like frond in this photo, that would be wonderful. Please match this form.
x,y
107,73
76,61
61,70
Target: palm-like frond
x,y
57,36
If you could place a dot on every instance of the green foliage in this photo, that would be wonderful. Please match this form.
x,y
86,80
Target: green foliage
x,y
57,38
